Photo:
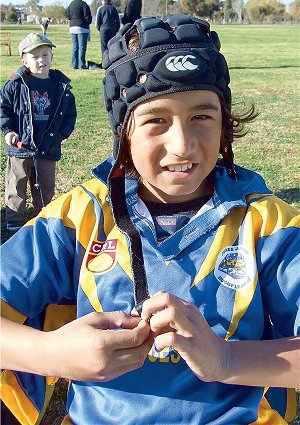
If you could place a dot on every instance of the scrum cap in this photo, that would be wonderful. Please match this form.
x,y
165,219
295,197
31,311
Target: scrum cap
x,y
174,53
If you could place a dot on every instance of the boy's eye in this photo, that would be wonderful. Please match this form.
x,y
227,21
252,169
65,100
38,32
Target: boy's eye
x,y
200,117
155,121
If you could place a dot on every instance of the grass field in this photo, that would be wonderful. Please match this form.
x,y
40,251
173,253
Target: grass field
x,y
264,63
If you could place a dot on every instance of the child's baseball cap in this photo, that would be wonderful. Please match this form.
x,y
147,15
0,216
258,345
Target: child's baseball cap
x,y
32,41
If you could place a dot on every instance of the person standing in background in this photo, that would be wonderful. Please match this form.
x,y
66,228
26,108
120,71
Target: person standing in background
x,y
132,11
38,112
107,22
80,17
44,25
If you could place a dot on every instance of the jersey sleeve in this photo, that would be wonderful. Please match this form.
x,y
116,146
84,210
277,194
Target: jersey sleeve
x,y
278,259
39,278
38,265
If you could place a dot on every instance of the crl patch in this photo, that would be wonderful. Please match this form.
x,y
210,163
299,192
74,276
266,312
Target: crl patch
x,y
235,267
102,256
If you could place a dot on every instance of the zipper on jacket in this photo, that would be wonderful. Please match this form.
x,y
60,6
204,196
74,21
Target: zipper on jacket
x,y
55,113
32,144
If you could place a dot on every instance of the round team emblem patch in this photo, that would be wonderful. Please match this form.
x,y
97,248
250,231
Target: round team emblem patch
x,y
235,267
102,256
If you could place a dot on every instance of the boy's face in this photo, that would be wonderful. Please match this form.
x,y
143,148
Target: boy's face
x,y
175,144
38,61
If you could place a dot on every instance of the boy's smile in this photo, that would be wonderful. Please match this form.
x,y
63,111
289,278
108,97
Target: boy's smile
x,y
39,61
175,144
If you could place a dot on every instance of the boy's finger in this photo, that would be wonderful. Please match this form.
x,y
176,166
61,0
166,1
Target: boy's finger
x,y
121,339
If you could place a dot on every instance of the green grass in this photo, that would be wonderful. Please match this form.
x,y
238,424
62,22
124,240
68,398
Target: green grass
x,y
264,63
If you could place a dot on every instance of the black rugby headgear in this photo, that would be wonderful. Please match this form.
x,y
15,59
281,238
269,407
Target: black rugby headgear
x,y
174,53
146,59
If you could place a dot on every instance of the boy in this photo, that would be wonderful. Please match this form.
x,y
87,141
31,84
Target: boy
x,y
197,246
37,113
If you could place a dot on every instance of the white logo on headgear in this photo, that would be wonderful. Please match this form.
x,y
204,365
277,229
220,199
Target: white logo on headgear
x,y
180,63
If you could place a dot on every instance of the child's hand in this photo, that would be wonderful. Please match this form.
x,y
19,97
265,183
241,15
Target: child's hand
x,y
100,346
11,138
180,325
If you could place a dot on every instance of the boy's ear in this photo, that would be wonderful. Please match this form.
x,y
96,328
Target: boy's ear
x,y
24,59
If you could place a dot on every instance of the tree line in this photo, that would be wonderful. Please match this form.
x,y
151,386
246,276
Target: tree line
x,y
222,11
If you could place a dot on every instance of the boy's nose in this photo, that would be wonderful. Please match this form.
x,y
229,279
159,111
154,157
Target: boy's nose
x,y
181,141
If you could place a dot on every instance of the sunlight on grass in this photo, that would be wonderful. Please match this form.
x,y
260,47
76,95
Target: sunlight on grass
x,y
264,68
263,65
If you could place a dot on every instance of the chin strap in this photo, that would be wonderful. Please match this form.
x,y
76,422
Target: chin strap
x,y
124,223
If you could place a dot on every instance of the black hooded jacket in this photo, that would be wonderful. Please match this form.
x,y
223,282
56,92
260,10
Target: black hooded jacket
x,y
79,14
17,115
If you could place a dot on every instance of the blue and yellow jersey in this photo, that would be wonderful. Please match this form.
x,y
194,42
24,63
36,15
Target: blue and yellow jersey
x,y
236,260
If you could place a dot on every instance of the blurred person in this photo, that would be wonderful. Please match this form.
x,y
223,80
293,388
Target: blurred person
x,y
44,25
107,22
80,17
132,11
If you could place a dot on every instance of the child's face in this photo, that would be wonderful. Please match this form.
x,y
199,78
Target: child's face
x,y
39,61
175,144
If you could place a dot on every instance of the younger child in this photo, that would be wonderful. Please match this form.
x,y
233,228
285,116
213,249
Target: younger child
x,y
199,246
38,112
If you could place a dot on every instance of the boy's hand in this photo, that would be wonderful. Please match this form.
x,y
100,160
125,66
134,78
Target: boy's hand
x,y
99,346
12,138
180,325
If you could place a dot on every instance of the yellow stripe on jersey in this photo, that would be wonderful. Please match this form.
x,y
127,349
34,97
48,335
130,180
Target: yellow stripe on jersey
x,y
242,299
222,239
57,316
123,254
49,392
267,415
56,209
270,217
243,296
108,219
67,421
291,409
13,396
89,287
11,313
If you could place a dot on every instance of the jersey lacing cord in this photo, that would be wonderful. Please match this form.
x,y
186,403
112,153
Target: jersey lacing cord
x,y
37,184
124,223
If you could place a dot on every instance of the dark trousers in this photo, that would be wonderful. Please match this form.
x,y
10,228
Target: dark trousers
x,y
105,36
